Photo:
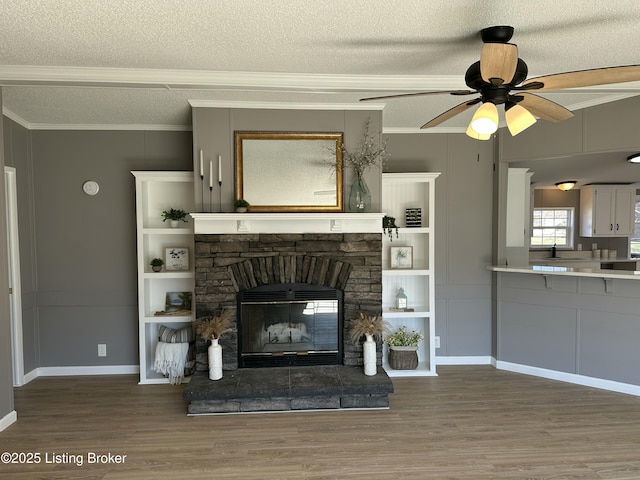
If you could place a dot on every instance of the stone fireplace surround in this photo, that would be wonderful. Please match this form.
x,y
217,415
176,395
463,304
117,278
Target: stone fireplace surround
x,y
342,251
228,263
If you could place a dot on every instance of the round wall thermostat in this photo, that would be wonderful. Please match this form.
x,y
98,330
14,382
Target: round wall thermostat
x,y
90,187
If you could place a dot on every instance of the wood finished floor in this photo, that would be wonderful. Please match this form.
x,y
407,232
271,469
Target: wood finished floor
x,y
468,423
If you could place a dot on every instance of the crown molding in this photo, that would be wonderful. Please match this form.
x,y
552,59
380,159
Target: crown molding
x,y
107,126
411,130
22,75
285,105
16,118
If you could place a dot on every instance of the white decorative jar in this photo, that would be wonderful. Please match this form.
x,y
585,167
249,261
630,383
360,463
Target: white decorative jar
x,y
215,360
369,354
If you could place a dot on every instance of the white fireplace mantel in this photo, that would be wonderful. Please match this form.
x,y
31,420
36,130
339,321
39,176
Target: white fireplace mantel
x,y
230,223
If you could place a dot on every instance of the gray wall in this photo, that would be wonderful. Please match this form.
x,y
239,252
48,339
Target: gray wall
x,y
83,248
6,375
463,224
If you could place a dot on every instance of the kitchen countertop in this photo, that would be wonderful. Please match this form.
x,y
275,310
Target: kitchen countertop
x,y
569,271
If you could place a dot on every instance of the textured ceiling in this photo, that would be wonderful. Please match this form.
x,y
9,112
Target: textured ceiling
x,y
86,62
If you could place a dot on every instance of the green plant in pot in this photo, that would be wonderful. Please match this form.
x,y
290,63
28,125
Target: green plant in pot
x,y
241,205
156,264
175,216
403,348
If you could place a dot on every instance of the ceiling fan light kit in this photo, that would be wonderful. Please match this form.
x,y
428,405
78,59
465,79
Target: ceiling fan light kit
x,y
566,185
518,118
635,158
500,72
478,136
485,120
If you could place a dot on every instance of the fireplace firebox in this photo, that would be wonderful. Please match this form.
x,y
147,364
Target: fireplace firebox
x,y
289,325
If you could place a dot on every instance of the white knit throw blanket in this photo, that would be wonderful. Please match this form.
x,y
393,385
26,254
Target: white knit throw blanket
x,y
171,359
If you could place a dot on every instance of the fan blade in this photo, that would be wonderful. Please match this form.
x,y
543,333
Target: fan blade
x,y
586,78
543,108
400,95
452,112
498,62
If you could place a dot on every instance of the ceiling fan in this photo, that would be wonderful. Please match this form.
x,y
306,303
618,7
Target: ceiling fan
x,y
500,78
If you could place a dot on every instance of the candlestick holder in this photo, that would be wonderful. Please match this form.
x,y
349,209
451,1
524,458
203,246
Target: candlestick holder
x,y
211,198
202,190
220,192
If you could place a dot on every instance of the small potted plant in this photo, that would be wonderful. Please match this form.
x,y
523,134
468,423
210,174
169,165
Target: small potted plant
x,y
156,264
373,328
241,205
175,216
403,348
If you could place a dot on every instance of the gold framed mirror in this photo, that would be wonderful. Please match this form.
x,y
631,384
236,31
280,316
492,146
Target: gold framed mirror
x,y
289,172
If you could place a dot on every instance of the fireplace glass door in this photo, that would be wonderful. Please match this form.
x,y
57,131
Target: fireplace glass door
x,y
295,332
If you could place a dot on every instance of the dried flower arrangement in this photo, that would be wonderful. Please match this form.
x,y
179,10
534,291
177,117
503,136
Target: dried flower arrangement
x,y
214,327
366,324
402,338
370,153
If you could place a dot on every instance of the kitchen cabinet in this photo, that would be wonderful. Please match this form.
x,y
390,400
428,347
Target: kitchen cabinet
x,y
607,210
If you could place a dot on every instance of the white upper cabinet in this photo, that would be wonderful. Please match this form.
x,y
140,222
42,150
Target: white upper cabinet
x,y
607,211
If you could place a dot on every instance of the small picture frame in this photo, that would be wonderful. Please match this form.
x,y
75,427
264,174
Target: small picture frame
x,y
178,302
176,259
401,257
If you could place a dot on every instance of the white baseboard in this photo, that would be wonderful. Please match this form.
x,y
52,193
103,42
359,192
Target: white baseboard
x,y
32,375
570,378
471,360
9,419
92,370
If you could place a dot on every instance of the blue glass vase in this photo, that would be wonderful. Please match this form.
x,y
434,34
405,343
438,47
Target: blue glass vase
x,y
359,196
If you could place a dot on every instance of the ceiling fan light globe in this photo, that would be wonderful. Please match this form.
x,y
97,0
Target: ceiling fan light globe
x,y
518,119
485,120
477,136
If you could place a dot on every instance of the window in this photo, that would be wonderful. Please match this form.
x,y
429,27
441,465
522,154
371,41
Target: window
x,y
634,241
552,226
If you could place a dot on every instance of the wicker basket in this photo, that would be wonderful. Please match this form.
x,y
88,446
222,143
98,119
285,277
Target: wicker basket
x,y
403,358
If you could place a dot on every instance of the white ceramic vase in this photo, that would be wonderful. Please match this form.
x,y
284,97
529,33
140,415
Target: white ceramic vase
x,y
369,354
215,360
174,223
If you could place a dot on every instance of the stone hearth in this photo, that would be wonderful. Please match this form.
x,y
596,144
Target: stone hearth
x,y
288,389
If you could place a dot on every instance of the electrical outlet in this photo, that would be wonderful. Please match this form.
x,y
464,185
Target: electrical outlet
x,y
436,342
102,349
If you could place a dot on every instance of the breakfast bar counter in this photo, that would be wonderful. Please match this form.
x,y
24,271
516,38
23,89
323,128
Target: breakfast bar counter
x,y
569,271
580,325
